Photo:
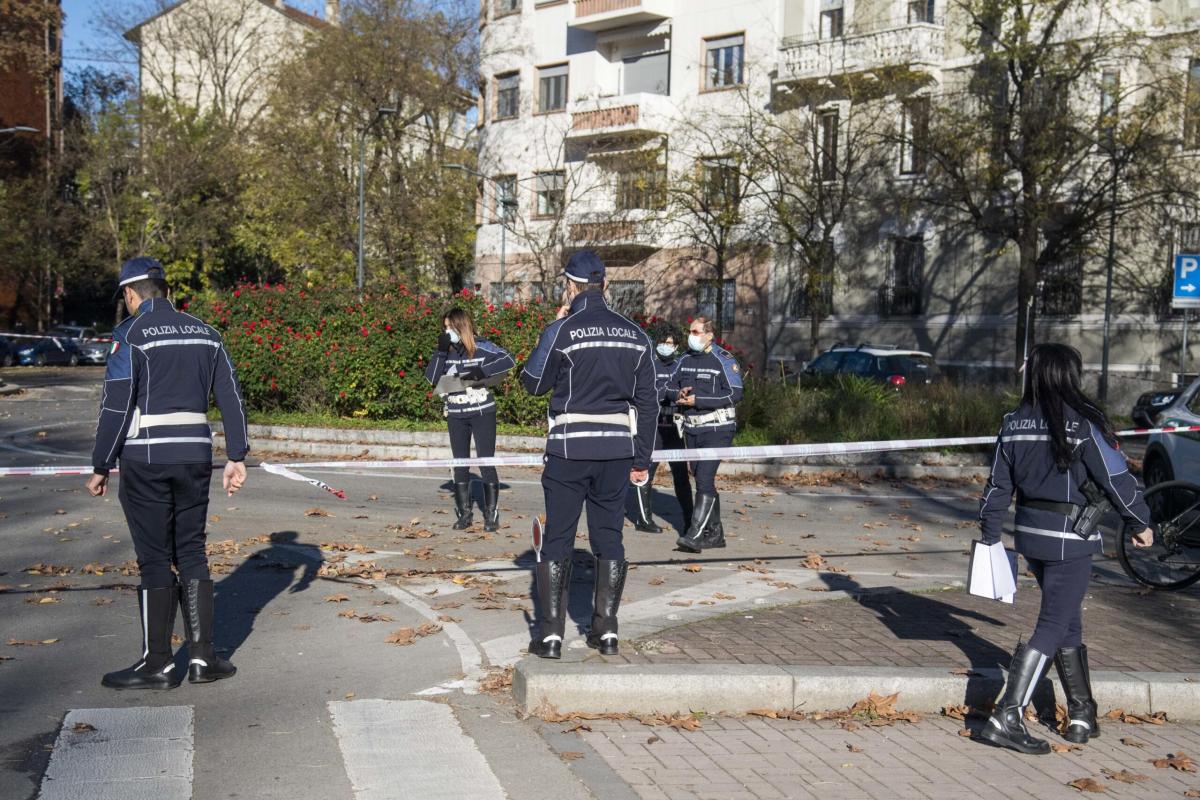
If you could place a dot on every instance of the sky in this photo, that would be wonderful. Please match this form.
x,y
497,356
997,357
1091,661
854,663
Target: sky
x,y
81,39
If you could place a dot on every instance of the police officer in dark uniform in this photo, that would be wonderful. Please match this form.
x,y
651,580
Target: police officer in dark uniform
x,y
471,412
1053,450
598,367
706,386
163,367
667,339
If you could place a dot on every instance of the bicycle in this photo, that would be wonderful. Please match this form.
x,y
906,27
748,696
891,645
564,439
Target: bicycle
x,y
1173,560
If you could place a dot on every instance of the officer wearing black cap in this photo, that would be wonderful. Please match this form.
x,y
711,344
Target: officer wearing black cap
x,y
706,386
667,339
598,367
163,367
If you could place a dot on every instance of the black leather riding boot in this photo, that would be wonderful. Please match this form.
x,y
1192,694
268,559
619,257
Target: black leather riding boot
x,y
204,665
462,506
553,591
610,581
645,512
714,532
1072,663
491,506
693,540
1006,726
155,668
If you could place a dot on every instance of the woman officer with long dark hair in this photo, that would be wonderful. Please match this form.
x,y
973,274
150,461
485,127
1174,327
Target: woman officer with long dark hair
x,y
470,412
1053,448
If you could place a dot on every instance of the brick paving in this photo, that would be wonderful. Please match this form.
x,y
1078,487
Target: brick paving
x,y
1125,629
763,759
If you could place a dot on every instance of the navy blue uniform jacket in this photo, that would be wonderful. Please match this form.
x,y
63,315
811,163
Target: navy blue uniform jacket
x,y
1023,464
165,361
716,382
595,361
492,359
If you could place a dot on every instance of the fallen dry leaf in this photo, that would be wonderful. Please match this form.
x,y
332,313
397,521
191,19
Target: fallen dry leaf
x,y
681,603
570,755
723,596
654,740
1124,776
657,580
692,568
1179,761
813,561
1088,785
1064,748
316,512
853,748
578,726
337,598
82,727
30,642
1128,742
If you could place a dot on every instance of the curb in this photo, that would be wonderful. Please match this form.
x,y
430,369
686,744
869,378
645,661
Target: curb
x,y
398,445
592,687
9,388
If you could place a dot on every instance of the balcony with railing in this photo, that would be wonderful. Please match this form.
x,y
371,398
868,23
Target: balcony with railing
x,y
878,48
602,15
632,116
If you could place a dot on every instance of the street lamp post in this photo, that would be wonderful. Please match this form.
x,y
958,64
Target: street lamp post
x,y
507,205
380,113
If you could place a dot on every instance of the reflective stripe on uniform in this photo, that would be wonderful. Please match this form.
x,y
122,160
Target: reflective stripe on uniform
x,y
172,440
166,342
1056,534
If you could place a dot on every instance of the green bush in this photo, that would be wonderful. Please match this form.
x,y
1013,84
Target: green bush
x,y
325,352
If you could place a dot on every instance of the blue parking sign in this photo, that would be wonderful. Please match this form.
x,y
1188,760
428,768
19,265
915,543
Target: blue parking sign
x,y
1186,290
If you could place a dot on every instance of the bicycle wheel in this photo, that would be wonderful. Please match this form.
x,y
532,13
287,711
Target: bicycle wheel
x,y
1173,561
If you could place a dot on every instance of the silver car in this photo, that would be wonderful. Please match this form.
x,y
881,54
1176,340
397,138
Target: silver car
x,y
1175,456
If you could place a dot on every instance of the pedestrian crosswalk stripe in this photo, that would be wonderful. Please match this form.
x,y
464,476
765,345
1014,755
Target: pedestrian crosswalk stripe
x,y
507,650
410,748
140,753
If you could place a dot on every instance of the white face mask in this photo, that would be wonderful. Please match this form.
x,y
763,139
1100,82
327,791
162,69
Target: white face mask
x,y
666,350
696,343
454,337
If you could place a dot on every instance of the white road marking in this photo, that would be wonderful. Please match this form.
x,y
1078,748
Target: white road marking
x,y
141,753
643,617
410,748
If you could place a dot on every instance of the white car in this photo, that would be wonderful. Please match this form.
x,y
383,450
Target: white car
x,y
1175,456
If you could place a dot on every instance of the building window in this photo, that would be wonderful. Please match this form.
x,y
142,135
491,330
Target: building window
x,y
549,292
508,95
827,157
504,7
717,300
1110,96
644,188
552,88
722,183
649,73
627,297
900,296
725,61
506,198
814,296
1061,288
549,190
498,295
921,11
914,135
832,23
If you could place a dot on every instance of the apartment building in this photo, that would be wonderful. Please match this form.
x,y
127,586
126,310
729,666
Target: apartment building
x,y
595,112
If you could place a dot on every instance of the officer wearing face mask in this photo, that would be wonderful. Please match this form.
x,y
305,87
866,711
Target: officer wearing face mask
x,y
471,412
667,338
706,385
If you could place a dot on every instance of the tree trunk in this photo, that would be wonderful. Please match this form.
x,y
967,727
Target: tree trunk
x,y
719,306
1026,293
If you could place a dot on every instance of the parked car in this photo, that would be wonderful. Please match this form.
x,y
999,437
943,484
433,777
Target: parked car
x,y
892,365
1175,456
8,352
94,346
1151,404
48,350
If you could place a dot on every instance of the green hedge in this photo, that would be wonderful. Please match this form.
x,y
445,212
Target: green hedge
x,y
320,351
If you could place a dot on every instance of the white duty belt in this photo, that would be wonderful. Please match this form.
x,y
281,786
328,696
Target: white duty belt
x,y
712,418
141,420
472,395
626,420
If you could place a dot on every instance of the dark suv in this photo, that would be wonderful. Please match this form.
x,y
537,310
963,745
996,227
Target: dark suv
x,y
890,365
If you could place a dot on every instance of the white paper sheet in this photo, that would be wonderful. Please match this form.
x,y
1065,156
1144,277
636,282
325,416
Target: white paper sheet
x,y
993,572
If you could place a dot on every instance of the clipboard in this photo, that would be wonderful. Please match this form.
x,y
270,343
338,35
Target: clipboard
x,y
992,572
450,384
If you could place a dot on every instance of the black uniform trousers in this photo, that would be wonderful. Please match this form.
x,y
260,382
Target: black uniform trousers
x,y
568,484
1063,585
166,506
668,438
706,471
483,429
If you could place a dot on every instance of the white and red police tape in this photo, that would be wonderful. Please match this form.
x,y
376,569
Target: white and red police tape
x,y
535,459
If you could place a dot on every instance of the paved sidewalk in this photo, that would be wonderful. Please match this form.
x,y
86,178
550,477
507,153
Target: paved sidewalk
x,y
757,759
1125,629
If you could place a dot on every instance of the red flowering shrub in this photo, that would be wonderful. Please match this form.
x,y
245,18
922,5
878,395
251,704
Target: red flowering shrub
x,y
304,350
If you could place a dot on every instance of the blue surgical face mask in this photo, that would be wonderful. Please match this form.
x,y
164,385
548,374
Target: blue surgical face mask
x,y
666,350
454,337
696,343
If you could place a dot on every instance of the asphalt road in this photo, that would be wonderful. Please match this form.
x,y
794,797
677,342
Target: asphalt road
x,y
322,702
